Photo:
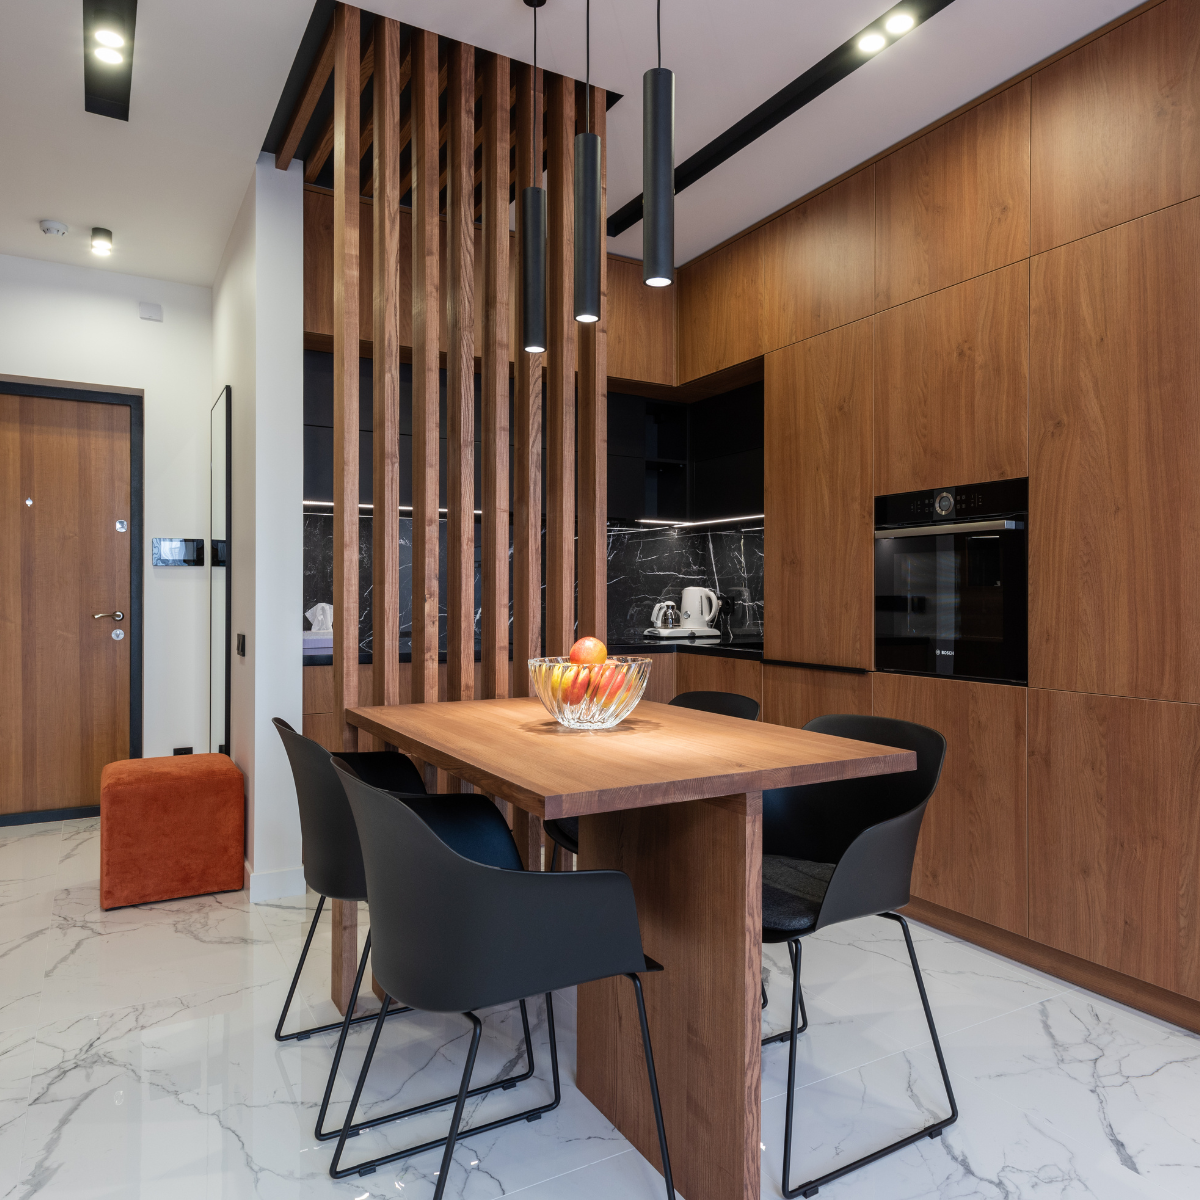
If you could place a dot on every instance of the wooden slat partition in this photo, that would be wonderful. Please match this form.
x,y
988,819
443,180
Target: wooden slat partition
x,y
494,364
324,145
314,85
345,438
527,465
560,367
385,525
424,55
460,374
593,429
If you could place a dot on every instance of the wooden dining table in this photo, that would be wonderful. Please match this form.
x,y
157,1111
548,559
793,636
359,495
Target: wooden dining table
x,y
672,797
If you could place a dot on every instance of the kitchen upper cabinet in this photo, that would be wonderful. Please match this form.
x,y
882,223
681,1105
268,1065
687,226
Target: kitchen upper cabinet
x,y
1114,551
719,314
318,268
951,381
954,204
818,264
1116,127
641,326
819,595
971,857
793,696
1114,834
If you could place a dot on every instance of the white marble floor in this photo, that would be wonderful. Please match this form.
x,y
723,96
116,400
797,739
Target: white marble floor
x,y
136,1061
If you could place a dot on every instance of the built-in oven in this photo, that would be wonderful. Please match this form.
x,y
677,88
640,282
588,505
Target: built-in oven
x,y
951,582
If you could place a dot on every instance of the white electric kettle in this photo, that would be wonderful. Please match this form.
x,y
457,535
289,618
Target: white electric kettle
x,y
699,607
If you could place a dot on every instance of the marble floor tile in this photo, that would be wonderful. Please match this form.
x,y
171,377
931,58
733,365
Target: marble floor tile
x,y
16,1069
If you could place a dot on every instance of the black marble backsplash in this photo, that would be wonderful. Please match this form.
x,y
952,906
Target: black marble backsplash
x,y
644,567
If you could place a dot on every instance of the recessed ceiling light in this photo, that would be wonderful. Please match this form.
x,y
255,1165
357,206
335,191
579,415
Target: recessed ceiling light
x,y
104,54
872,42
899,23
101,241
110,37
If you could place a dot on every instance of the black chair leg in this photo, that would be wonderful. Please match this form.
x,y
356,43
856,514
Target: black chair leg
x,y
658,1117
304,1034
459,1105
797,995
930,1131
350,1129
553,853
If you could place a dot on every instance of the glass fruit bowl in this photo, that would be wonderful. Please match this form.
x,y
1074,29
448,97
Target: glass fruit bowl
x,y
589,697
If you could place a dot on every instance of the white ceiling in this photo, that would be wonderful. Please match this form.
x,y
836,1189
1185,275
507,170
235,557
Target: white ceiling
x,y
207,78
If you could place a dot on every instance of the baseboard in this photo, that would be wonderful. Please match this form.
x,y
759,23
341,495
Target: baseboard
x,y
1147,997
265,886
50,814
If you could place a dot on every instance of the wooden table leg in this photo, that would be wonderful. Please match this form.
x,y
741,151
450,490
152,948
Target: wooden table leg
x,y
527,833
344,964
697,875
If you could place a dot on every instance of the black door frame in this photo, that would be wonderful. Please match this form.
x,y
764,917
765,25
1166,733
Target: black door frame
x,y
137,486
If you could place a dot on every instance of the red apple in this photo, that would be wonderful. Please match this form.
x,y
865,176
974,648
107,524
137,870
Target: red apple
x,y
589,650
576,689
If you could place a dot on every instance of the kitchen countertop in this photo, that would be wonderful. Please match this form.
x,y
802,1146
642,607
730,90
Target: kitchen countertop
x,y
750,649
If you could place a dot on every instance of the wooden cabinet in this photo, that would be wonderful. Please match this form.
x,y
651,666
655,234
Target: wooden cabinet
x,y
1116,127
1114,834
1114,442
793,696
973,849
710,673
641,326
954,204
818,592
719,313
818,266
951,382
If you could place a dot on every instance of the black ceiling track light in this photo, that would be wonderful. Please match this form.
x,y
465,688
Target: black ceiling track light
x,y
533,233
658,170
833,68
108,27
587,204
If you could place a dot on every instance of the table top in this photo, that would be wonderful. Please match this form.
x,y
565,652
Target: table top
x,y
659,754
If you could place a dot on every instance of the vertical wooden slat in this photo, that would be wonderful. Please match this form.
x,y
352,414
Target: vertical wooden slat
x,y
593,430
494,439
460,373
527,463
345,437
560,367
385,525
527,414
424,77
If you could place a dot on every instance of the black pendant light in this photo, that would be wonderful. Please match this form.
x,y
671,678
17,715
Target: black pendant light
x,y
658,172
587,205
533,234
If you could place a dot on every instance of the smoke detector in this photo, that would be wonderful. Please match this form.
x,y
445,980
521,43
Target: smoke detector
x,y
54,228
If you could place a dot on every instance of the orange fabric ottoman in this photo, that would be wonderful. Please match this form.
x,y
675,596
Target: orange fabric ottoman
x,y
170,827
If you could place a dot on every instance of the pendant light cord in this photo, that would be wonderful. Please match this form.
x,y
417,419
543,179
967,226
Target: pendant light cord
x,y
587,87
658,23
533,106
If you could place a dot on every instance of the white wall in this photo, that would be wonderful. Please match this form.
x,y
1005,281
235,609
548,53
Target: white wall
x,y
77,325
258,349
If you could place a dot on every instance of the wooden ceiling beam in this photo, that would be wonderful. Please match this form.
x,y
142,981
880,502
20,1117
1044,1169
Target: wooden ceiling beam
x,y
323,147
314,85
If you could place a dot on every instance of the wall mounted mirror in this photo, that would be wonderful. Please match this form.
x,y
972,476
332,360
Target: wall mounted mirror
x,y
219,593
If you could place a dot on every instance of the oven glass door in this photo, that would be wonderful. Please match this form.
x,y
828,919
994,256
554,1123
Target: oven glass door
x,y
952,604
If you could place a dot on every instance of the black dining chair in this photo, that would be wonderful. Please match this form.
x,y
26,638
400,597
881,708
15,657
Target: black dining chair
x,y
333,864
564,831
837,851
511,934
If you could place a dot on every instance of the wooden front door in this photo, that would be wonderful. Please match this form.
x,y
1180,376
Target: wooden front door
x,y
64,679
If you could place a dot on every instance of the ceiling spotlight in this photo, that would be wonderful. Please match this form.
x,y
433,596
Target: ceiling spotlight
x,y
872,42
101,241
110,37
104,54
900,22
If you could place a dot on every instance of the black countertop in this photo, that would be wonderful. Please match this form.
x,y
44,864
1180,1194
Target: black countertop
x,y
745,648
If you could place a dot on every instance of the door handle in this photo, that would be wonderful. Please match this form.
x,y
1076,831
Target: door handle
x,y
116,616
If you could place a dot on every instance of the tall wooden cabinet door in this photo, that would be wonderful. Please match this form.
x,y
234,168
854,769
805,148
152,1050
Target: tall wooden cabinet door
x,y
954,204
819,595
951,384
793,696
1114,506
1116,127
972,854
1114,834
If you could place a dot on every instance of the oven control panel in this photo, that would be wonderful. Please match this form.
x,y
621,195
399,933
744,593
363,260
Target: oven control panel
x,y
974,502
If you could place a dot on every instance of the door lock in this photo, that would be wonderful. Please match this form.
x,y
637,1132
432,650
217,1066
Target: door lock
x,y
116,616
